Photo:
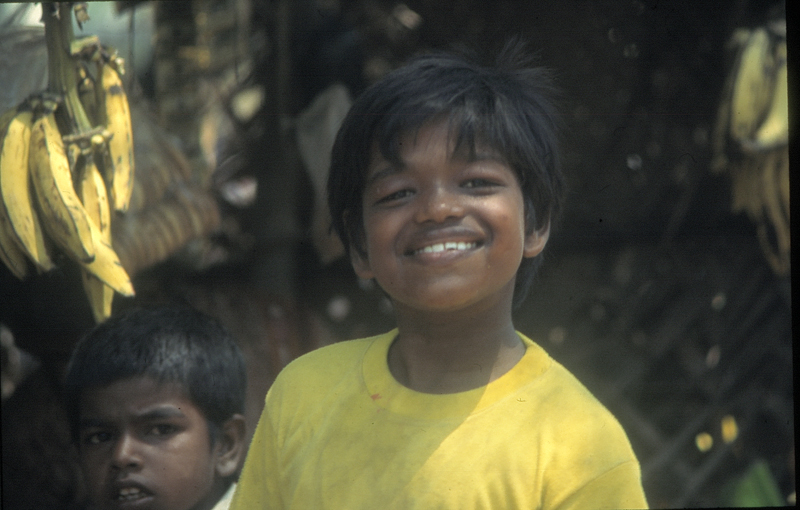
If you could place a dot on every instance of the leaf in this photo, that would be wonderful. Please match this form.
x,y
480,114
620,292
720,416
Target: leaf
x,y
756,488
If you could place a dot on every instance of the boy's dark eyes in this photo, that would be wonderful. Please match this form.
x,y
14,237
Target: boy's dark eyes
x,y
479,183
102,436
96,437
397,195
469,184
162,429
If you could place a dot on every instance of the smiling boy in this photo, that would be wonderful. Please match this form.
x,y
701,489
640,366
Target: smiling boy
x,y
443,185
155,398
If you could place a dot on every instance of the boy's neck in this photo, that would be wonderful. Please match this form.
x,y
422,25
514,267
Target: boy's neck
x,y
453,352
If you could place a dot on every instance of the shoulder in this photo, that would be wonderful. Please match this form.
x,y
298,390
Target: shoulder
x,y
328,358
575,417
315,385
568,410
323,368
572,400
576,434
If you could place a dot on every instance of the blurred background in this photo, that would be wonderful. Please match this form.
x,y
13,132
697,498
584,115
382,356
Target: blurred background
x,y
666,289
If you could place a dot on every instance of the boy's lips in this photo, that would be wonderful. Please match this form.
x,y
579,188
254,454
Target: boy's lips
x,y
438,241
446,246
127,494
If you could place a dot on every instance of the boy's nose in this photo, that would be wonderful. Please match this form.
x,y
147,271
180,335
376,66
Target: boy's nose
x,y
438,205
126,454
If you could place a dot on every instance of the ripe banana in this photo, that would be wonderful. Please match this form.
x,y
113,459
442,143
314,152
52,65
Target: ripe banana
x,y
17,199
106,265
65,218
774,131
751,87
116,115
11,252
93,194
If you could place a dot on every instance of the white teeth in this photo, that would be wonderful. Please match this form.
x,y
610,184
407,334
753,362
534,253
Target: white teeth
x,y
440,247
129,493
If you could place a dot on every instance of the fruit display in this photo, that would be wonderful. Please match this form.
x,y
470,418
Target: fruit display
x,y
751,142
67,164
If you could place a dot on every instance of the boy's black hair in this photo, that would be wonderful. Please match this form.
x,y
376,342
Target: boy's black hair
x,y
509,107
171,344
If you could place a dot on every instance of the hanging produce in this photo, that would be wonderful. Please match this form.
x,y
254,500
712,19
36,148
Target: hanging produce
x,y
66,162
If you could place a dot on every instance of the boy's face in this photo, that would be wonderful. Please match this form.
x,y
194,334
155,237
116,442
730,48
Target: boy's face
x,y
444,231
145,445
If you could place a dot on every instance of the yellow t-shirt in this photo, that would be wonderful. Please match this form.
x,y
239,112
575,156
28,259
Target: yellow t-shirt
x,y
339,432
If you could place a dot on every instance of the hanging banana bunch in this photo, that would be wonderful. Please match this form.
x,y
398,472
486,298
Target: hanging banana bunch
x,y
66,164
751,141
21,232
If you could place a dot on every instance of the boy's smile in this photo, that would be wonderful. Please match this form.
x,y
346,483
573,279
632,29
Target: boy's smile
x,y
145,445
444,229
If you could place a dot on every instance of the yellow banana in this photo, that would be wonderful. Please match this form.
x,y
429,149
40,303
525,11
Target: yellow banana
x,y
106,265
15,189
93,194
11,253
774,130
116,115
751,86
65,218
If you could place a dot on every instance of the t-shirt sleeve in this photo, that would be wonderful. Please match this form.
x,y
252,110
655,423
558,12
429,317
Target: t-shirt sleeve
x,y
259,485
618,488
588,461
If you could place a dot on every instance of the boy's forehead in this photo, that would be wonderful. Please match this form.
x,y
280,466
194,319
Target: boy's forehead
x,y
134,394
459,147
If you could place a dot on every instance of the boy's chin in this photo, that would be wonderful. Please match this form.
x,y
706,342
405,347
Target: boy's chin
x,y
450,302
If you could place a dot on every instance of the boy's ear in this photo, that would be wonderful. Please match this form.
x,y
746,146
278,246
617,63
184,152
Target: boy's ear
x,y
360,264
535,241
357,258
230,447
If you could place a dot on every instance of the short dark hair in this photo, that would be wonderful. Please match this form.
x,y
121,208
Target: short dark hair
x,y
171,344
509,106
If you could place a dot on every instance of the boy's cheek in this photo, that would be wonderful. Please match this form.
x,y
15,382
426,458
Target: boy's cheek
x,y
89,463
93,458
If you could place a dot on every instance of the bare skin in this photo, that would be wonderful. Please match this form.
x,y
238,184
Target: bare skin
x,y
144,445
445,234
459,358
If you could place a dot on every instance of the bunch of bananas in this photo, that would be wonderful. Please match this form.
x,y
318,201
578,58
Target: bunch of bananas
x,y
66,163
756,111
751,141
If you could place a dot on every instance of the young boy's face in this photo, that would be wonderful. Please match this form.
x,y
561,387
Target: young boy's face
x,y
145,445
444,231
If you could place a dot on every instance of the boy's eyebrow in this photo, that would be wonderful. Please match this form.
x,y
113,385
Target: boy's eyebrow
x,y
161,413
470,156
158,413
388,169
487,156
478,154
93,423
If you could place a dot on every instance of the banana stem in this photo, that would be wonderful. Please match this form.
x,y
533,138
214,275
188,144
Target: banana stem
x,y
63,74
